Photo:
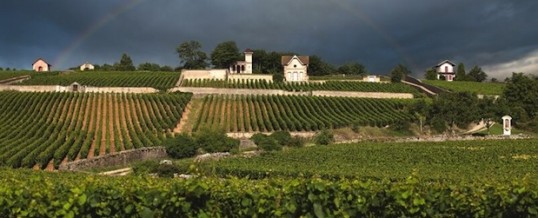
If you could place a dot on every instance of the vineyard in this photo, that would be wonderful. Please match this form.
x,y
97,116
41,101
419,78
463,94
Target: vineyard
x,y
484,88
45,129
158,80
465,161
302,86
266,113
11,74
38,194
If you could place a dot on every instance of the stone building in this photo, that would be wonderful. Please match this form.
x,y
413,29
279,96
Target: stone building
x,y
295,68
41,65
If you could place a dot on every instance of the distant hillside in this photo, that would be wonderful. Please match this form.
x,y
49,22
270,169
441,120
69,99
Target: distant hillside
x,y
485,88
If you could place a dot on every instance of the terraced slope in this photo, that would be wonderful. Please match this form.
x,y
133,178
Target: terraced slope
x,y
296,113
45,129
158,80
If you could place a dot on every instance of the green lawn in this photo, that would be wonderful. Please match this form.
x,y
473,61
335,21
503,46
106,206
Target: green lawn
x,y
485,88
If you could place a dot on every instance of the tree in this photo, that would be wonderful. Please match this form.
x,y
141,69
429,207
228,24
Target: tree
x,y
352,68
215,140
488,111
318,67
460,73
420,109
1,69
181,146
149,66
398,73
191,55
477,74
125,64
431,74
456,109
166,68
225,54
522,92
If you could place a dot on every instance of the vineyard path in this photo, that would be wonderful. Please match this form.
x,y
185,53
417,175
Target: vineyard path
x,y
180,127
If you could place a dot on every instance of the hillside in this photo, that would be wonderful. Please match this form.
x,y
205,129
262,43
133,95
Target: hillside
x,y
44,129
485,88
158,80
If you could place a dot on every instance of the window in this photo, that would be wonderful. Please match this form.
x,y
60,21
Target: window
x,y
295,65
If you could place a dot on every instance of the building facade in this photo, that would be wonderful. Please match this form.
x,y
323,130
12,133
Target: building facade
x,y
295,68
243,67
41,65
446,69
87,66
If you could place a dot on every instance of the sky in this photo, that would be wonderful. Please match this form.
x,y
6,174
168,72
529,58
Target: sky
x,y
498,35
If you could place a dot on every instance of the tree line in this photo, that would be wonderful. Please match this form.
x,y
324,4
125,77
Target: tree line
x,y
449,111
226,53
126,64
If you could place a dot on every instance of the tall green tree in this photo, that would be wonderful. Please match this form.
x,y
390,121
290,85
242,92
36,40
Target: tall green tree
x,y
125,64
352,68
431,74
456,109
225,54
460,73
398,73
318,67
477,74
149,66
521,93
191,55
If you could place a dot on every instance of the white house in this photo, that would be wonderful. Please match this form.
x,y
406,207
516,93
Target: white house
x,y
86,66
41,65
295,68
243,66
446,69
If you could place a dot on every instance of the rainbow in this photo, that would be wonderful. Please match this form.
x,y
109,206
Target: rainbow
x,y
115,12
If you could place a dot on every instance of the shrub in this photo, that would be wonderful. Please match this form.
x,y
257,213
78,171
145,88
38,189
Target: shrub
x,y
166,170
400,125
282,137
214,140
296,142
324,137
145,167
268,143
181,146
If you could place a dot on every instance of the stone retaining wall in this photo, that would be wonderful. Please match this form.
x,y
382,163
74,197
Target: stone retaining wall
x,y
120,158
202,91
57,88
247,135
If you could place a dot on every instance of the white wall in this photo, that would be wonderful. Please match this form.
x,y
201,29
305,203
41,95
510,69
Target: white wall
x,y
42,64
441,68
239,77
295,67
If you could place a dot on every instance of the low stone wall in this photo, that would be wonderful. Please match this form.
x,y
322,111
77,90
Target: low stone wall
x,y
362,94
29,88
247,135
81,89
204,74
121,89
239,77
120,158
200,92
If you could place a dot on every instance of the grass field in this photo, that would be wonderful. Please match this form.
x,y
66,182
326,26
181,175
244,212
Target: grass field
x,y
502,160
158,80
11,74
485,88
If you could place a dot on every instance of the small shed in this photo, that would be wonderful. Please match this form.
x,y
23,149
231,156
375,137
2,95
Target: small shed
x,y
86,66
41,65
76,87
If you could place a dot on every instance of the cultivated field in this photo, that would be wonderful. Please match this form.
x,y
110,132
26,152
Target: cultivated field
x,y
303,86
485,88
266,113
158,80
11,74
454,161
45,129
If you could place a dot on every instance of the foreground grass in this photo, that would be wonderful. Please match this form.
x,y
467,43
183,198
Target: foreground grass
x,y
485,88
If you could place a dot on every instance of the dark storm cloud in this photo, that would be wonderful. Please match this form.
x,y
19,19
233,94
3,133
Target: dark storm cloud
x,y
379,34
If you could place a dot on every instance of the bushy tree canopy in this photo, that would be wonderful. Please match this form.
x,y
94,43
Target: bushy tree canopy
x,y
191,55
225,54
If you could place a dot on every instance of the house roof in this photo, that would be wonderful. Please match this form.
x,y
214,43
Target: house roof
x,y
248,50
446,61
287,58
42,60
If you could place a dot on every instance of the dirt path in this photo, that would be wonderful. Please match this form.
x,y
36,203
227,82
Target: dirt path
x,y
95,123
477,128
180,127
111,123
